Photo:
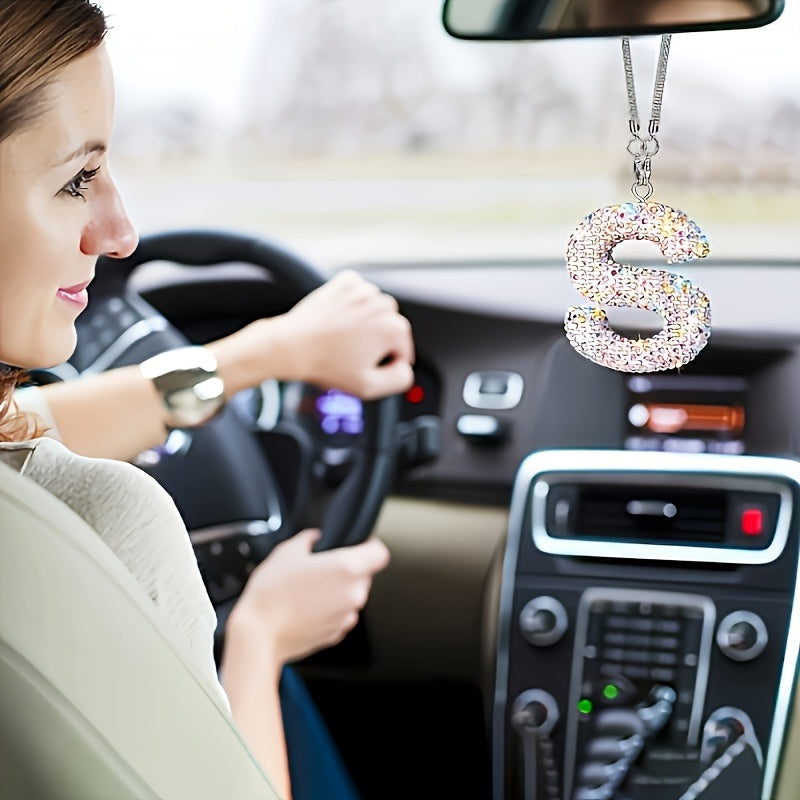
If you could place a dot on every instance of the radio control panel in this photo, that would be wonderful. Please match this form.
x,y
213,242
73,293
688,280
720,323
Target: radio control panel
x,y
635,664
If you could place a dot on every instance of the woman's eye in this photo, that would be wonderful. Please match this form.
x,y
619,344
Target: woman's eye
x,y
77,186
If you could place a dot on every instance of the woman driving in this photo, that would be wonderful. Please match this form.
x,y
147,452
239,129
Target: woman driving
x,y
60,210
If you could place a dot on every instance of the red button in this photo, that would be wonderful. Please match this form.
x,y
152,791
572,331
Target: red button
x,y
416,394
752,521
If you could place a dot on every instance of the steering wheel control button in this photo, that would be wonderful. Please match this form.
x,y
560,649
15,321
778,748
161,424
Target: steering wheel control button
x,y
543,621
742,636
493,389
482,428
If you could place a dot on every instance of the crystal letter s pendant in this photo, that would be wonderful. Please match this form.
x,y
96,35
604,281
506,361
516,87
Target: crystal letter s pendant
x,y
684,307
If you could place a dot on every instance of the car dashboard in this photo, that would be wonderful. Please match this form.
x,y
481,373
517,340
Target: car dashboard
x,y
510,383
597,652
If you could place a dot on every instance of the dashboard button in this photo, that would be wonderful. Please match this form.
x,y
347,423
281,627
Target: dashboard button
x,y
543,621
482,428
493,389
742,636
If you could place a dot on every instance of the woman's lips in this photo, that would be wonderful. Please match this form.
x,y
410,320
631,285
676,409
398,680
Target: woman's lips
x,y
75,294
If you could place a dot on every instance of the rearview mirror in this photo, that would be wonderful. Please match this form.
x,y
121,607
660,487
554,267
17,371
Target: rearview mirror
x,y
558,19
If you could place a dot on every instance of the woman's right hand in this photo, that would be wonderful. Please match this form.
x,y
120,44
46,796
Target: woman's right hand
x,y
347,334
305,601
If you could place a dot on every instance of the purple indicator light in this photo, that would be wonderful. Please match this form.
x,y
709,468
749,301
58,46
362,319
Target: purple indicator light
x,y
340,412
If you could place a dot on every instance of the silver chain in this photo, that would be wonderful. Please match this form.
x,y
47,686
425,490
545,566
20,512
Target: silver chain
x,y
643,146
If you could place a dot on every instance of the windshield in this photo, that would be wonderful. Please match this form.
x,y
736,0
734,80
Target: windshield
x,y
357,131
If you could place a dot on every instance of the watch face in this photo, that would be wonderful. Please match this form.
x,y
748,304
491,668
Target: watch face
x,y
187,381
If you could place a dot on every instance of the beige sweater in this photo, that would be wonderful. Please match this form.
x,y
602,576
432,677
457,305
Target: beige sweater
x,y
138,520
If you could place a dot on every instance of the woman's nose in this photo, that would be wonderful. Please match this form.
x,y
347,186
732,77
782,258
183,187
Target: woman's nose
x,y
109,232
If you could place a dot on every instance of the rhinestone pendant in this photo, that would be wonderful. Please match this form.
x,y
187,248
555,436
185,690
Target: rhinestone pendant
x,y
683,307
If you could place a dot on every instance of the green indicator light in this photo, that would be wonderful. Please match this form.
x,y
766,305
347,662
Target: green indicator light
x,y
610,692
585,706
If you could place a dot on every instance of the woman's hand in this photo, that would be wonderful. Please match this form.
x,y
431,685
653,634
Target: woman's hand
x,y
295,602
304,601
347,335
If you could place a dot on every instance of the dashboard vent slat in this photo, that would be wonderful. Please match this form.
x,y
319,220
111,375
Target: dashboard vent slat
x,y
637,512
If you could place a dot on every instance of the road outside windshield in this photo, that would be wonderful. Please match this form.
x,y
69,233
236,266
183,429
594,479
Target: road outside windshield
x,y
352,130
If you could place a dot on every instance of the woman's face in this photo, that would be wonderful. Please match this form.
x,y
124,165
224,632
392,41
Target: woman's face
x,y
59,210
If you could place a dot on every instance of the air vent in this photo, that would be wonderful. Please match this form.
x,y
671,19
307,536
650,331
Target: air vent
x,y
652,513
617,504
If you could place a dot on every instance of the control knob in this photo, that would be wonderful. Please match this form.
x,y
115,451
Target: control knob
x,y
534,711
543,621
742,635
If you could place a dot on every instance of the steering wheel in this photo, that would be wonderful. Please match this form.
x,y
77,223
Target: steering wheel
x,y
218,474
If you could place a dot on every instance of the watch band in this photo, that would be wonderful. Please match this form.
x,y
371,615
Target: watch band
x,y
190,388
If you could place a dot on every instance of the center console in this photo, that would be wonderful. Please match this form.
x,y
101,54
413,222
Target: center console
x,y
648,630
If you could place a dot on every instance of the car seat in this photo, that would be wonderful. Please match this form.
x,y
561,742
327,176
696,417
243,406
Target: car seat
x,y
95,703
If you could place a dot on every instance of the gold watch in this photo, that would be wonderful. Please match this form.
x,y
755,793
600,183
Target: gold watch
x,y
190,388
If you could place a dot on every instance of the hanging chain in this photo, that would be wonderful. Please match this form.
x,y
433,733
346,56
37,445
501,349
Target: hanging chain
x,y
643,146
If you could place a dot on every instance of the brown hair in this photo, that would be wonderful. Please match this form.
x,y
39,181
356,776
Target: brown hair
x,y
15,426
37,39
